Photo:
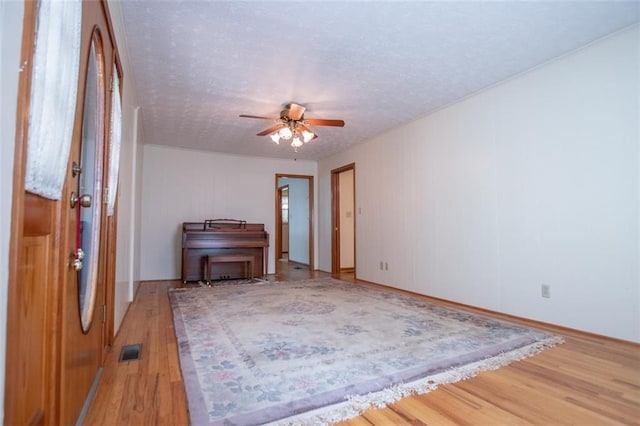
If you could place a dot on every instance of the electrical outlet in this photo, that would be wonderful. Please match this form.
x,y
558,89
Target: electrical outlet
x,y
386,266
545,291
381,265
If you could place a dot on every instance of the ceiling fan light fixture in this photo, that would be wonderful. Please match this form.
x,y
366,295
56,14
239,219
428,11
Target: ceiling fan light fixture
x,y
285,133
307,136
296,143
292,125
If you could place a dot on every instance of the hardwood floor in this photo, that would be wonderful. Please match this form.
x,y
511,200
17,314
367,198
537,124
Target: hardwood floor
x,y
586,381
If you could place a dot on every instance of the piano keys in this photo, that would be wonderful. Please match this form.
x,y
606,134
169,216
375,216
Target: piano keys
x,y
223,236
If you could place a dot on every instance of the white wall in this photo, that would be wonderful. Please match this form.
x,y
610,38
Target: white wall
x,y
11,15
137,215
128,235
181,185
532,181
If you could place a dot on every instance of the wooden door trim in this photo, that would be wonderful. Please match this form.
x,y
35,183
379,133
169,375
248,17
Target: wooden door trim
x,y
111,244
335,217
309,179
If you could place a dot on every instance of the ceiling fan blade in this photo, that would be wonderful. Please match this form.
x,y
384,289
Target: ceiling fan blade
x,y
296,111
323,122
257,116
271,130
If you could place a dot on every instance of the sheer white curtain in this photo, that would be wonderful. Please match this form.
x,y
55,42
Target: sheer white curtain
x,y
54,85
114,143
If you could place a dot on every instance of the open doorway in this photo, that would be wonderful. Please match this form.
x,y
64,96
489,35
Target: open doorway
x,y
343,220
294,221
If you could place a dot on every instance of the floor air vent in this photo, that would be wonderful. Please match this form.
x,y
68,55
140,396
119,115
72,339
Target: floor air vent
x,y
130,352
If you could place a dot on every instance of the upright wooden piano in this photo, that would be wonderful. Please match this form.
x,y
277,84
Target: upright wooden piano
x,y
223,236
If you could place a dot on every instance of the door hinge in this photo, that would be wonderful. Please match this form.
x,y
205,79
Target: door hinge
x,y
105,199
111,84
104,313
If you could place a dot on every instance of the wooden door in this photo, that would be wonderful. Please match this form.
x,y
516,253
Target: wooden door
x,y
83,298
336,214
52,360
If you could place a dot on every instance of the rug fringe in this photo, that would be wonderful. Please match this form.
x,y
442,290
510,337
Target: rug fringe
x,y
357,404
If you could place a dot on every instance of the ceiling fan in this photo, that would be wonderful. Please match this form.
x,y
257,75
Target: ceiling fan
x,y
291,125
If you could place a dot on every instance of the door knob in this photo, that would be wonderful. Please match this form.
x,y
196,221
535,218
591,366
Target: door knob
x,y
84,200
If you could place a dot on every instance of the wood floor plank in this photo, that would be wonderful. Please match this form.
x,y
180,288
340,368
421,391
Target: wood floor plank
x,y
588,380
597,401
465,408
385,416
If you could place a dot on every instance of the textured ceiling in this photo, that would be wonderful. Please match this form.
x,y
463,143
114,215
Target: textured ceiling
x,y
197,65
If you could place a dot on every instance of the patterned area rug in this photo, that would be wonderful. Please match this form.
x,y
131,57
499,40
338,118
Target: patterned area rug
x,y
319,351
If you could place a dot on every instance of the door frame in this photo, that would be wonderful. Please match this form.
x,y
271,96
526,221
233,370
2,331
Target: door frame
x,y
335,218
309,179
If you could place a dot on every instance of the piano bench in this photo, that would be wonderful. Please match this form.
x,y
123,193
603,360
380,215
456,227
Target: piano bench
x,y
246,259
